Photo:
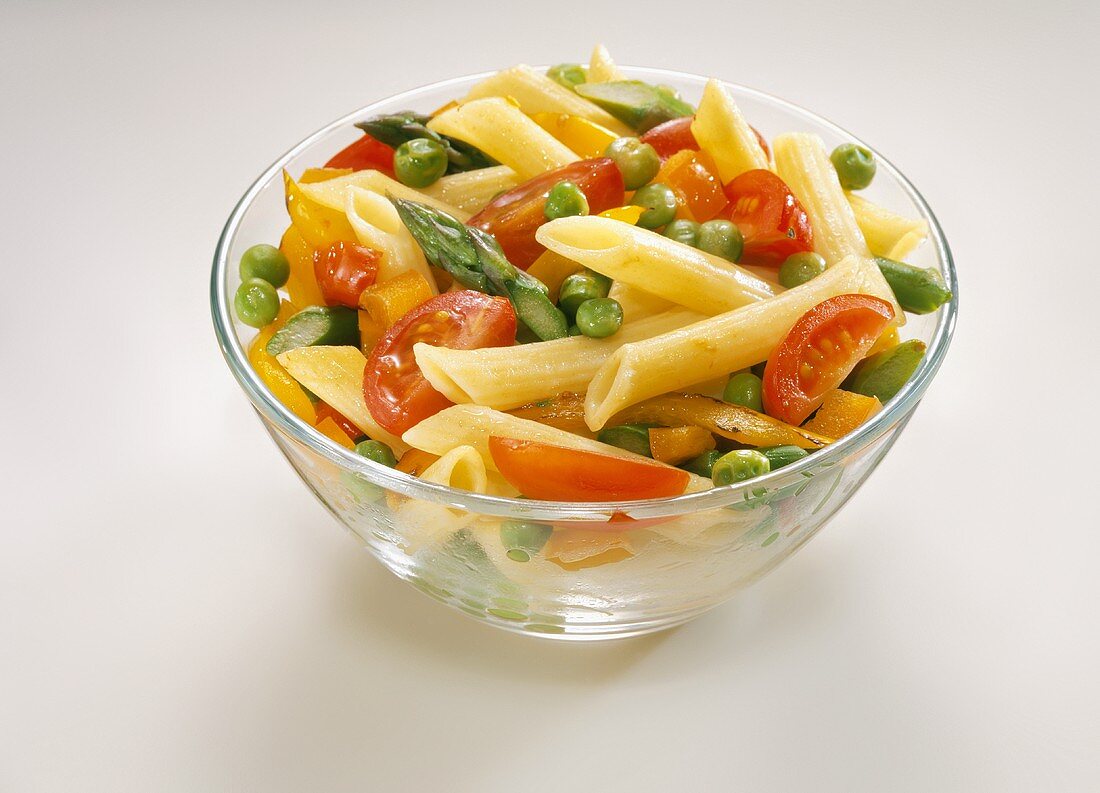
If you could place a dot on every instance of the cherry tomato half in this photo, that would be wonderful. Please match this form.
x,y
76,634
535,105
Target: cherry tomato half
x,y
555,473
676,135
396,393
344,270
514,217
819,352
365,153
772,221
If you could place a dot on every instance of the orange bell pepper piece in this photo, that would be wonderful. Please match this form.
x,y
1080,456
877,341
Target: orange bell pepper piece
x,y
842,412
693,177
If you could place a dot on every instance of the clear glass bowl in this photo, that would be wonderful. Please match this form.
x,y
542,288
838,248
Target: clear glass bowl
x,y
686,554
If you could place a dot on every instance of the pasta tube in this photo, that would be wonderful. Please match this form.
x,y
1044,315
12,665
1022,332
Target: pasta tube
x,y
507,377
537,93
335,375
471,425
377,225
601,69
712,347
887,234
470,191
333,193
501,130
723,133
637,303
803,163
642,258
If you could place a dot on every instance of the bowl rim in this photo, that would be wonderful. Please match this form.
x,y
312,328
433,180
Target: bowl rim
x,y
270,408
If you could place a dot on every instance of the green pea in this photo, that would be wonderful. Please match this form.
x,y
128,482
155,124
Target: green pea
x,y
419,162
567,74
855,165
721,238
600,317
683,230
779,456
579,287
638,162
632,437
798,268
565,200
377,451
660,204
703,465
523,539
745,389
256,302
266,262
739,465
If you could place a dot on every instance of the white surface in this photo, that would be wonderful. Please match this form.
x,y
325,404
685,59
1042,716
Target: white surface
x,y
178,614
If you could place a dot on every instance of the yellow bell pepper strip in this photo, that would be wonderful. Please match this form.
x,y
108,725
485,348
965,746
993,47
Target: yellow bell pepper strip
x,y
887,341
369,332
301,286
330,429
275,377
387,302
585,138
553,268
734,422
313,175
627,214
674,445
565,411
579,549
842,412
319,225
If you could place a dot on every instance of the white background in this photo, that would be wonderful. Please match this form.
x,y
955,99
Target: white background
x,y
178,614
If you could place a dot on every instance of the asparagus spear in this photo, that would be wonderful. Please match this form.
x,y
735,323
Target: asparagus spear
x,y
474,259
640,105
397,128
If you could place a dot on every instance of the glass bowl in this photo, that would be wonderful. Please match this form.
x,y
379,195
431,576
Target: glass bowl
x,y
680,556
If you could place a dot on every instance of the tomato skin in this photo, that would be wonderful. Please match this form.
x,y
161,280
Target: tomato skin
x,y
772,221
344,270
365,153
395,390
671,137
676,135
555,473
821,350
513,218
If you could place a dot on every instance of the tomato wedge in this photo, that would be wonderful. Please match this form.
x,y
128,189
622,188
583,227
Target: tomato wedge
x,y
344,270
365,153
394,388
676,135
819,352
555,473
514,217
772,221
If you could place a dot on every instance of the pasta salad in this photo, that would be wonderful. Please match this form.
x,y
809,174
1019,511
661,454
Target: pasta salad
x,y
573,286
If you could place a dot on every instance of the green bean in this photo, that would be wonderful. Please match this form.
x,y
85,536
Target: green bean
x,y
883,374
779,456
703,465
632,437
918,290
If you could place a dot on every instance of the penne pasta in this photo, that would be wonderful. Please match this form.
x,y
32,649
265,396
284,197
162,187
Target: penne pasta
x,y
723,133
333,193
642,258
501,130
377,225
472,425
712,347
887,233
803,163
536,93
601,69
461,467
470,191
507,377
335,375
